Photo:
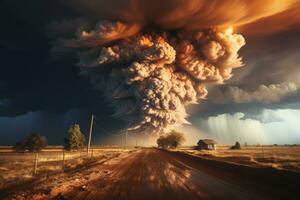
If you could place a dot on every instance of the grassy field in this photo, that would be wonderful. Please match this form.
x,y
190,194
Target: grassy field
x,y
16,168
279,157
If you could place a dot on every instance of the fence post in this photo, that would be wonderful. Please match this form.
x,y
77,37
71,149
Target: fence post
x,y
35,163
64,162
262,148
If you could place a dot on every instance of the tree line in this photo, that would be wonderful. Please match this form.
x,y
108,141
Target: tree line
x,y
35,142
75,140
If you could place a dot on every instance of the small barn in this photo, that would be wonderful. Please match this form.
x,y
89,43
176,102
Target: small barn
x,y
207,144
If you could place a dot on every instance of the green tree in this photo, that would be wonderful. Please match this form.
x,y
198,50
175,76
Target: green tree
x,y
33,143
75,139
175,139
162,142
171,140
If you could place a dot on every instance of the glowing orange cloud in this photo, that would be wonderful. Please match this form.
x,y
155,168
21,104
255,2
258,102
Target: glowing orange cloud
x,y
152,58
288,19
248,15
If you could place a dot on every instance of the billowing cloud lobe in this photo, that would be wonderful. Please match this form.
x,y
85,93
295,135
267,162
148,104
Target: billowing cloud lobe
x,y
152,59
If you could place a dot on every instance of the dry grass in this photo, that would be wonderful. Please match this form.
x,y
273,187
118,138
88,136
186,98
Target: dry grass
x,y
280,157
16,168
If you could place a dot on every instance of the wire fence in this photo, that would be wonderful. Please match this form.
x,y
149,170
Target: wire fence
x,y
16,167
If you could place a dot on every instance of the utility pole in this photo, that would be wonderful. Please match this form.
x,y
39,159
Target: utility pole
x,y
126,139
35,163
64,160
136,142
90,134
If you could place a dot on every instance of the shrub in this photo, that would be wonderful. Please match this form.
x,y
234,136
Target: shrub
x,y
162,142
33,143
236,146
20,146
171,140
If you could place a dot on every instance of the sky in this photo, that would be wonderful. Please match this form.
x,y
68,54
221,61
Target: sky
x,y
41,89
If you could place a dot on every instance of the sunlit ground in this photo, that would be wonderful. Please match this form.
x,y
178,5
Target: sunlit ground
x,y
18,167
279,157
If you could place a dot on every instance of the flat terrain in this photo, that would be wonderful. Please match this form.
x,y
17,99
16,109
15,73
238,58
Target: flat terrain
x,y
158,174
276,156
17,168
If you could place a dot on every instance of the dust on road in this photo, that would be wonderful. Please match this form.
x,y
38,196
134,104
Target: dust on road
x,y
155,174
143,174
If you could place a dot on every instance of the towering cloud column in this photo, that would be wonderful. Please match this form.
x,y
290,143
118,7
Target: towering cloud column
x,y
149,78
152,58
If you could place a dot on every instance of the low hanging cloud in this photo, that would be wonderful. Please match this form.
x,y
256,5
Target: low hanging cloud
x,y
265,94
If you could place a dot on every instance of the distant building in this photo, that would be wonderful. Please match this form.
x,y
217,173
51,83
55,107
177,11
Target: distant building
x,y
207,144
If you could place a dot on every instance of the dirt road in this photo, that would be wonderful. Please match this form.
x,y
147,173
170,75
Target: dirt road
x,y
155,174
142,175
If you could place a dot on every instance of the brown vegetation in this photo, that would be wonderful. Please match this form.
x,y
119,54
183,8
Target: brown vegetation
x,y
279,157
17,168
171,140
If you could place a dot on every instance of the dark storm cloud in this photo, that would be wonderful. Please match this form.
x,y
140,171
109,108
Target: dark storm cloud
x,y
30,79
264,94
270,59
272,62
36,77
38,88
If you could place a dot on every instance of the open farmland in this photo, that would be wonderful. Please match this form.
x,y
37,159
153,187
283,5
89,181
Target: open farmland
x,y
277,156
151,173
18,168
